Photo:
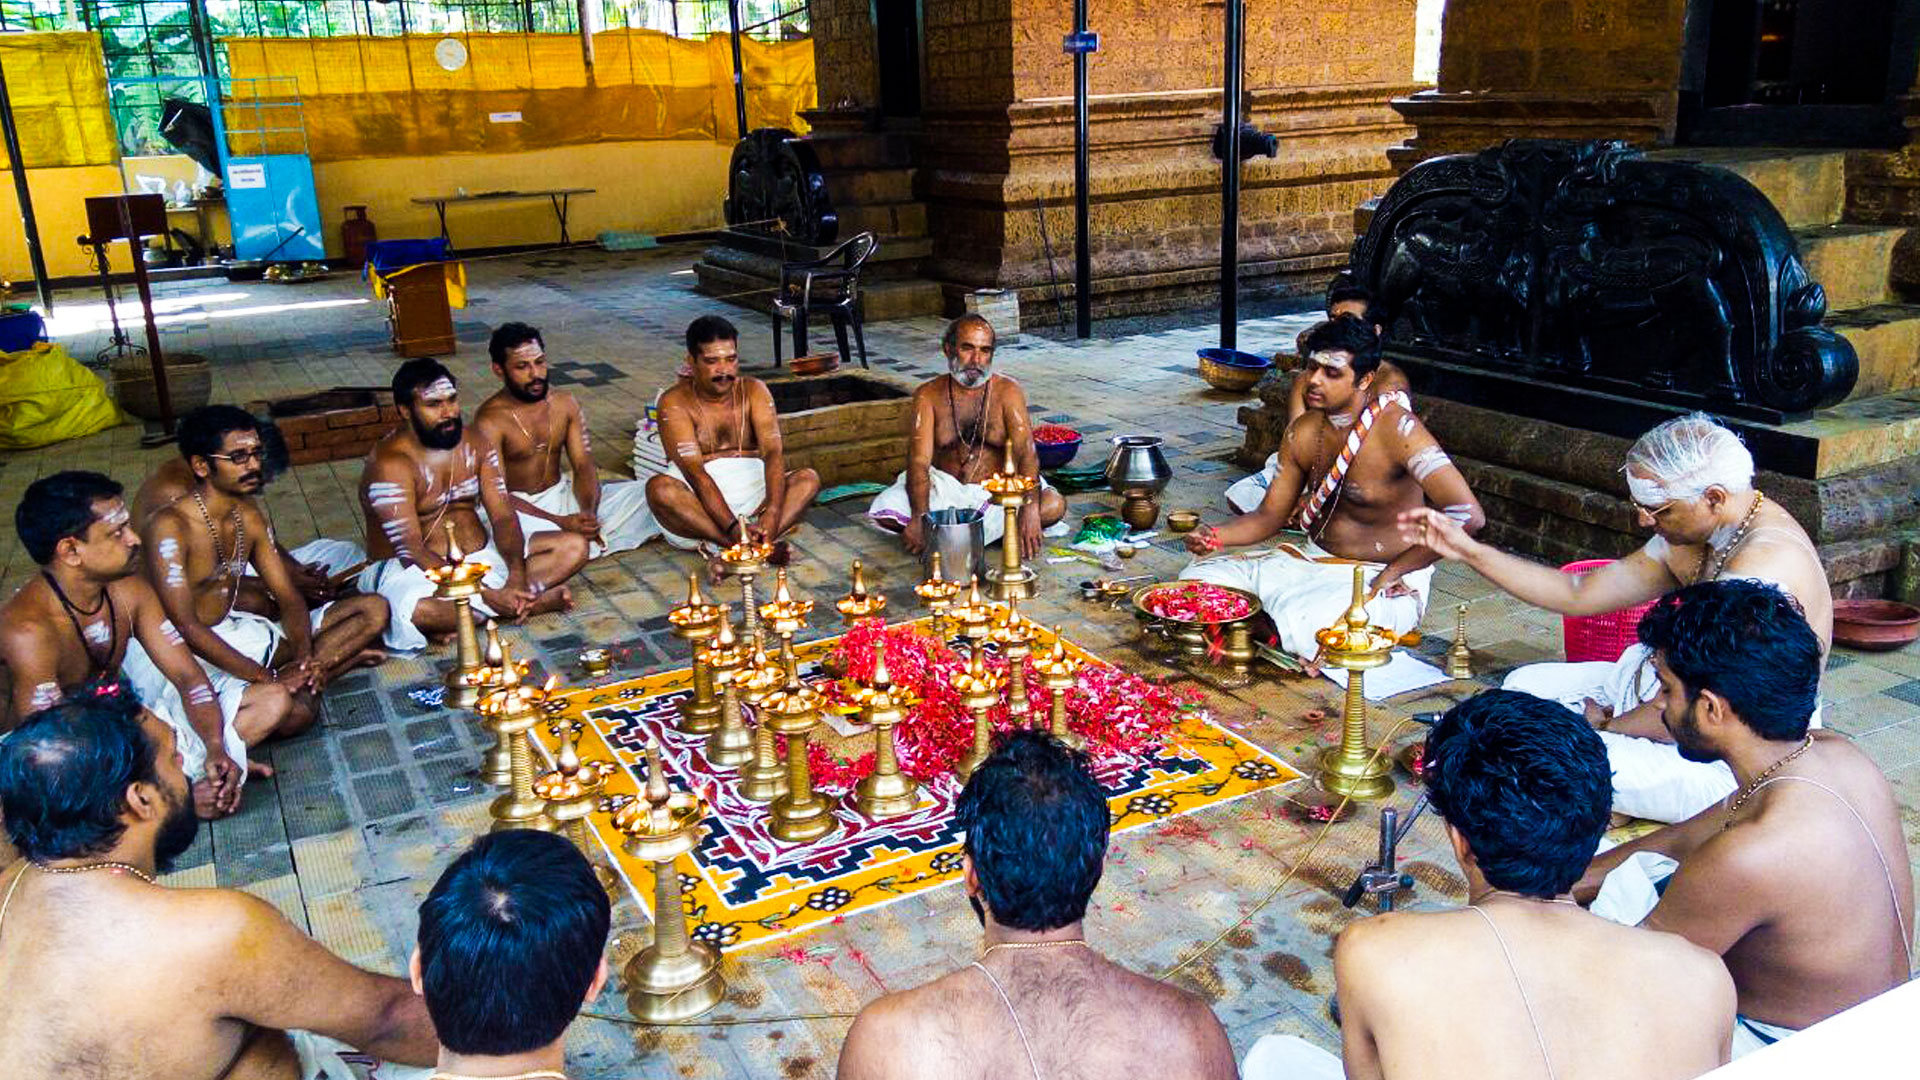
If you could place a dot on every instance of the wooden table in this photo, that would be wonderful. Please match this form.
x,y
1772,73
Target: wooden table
x,y
558,197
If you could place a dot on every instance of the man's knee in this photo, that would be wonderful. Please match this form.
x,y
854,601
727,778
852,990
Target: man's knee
x,y
664,489
264,706
803,480
1053,506
371,607
567,547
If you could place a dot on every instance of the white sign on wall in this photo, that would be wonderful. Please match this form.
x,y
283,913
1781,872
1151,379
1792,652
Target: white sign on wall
x,y
504,117
247,175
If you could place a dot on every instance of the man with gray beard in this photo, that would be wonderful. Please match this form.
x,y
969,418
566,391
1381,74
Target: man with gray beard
x,y
963,423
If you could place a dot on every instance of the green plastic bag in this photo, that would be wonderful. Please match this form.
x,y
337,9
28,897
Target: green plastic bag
x,y
47,397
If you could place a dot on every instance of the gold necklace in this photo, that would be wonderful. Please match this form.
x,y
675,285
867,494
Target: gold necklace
x,y
1726,553
1082,942
1747,792
134,870
537,1074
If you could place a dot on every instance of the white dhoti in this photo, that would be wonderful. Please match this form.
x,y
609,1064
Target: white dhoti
x,y
1246,493
154,690
1303,597
331,556
892,509
1650,779
742,482
626,521
1290,1057
403,585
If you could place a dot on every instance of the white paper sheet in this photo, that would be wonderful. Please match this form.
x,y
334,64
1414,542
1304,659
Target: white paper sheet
x,y
1403,674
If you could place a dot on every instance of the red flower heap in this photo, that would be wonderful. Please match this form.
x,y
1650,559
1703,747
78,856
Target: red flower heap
x,y
1119,714
1054,434
1196,602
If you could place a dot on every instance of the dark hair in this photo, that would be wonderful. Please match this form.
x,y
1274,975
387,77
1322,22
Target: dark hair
x,y
951,339
417,374
510,939
1343,289
1036,824
1349,335
203,430
511,336
56,507
707,329
64,773
1526,781
1746,641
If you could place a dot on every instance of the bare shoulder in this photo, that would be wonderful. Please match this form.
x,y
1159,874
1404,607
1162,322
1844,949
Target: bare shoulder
x,y
169,520
22,625
1012,394
756,391
491,410
902,1019
676,397
386,461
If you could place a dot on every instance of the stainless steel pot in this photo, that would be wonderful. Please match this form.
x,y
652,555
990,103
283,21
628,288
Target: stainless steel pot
x,y
1137,467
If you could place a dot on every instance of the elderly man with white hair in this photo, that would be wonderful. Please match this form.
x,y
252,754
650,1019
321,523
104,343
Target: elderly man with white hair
x,y
1691,481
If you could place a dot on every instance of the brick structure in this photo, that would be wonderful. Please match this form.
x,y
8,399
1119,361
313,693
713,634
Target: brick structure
x,y
330,426
994,154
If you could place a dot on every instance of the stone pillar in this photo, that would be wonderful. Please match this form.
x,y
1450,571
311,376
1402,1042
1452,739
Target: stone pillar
x,y
1569,69
996,154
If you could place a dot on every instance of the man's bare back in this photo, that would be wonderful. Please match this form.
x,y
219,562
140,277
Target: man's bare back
x,y
1085,1017
1430,995
1776,549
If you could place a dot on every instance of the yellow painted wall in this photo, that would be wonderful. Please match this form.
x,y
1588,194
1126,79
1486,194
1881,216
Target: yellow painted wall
x,y
651,187
57,195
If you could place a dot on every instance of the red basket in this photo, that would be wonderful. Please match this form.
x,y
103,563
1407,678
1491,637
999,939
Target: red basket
x,y
1600,637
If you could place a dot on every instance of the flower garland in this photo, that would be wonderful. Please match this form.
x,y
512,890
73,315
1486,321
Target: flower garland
x,y
1119,714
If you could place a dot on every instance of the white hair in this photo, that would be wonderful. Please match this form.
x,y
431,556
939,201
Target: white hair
x,y
1684,457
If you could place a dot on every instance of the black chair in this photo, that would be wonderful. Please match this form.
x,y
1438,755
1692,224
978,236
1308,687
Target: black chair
x,y
829,284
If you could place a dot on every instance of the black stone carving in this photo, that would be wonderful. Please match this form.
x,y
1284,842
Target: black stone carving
x,y
1585,264
775,188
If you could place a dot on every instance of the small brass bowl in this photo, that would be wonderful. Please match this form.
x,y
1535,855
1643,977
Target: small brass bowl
x,y
1183,521
1126,551
596,662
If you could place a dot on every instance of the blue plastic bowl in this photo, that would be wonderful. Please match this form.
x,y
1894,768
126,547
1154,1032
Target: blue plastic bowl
x,y
1231,369
1054,455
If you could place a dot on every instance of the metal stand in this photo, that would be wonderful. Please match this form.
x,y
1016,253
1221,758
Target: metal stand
x,y
1383,877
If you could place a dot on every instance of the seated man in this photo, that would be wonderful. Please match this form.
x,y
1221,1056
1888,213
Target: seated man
x,y
199,547
1801,882
529,427
428,474
512,946
321,569
112,977
1522,973
963,423
1344,297
726,476
88,614
1692,484
1040,1001
1348,467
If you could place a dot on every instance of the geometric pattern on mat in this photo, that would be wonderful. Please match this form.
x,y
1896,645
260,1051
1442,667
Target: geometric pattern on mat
x,y
741,887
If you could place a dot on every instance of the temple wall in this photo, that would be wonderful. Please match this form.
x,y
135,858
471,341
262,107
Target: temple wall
x,y
996,155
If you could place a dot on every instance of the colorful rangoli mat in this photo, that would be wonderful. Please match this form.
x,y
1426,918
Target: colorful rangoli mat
x,y
742,887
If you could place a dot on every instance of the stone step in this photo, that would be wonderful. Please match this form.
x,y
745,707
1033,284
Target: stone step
x,y
868,187
893,222
1808,187
1886,337
863,150
903,299
1854,263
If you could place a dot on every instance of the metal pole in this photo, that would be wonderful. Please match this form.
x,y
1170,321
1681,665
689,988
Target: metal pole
x,y
1230,184
739,82
29,224
1082,232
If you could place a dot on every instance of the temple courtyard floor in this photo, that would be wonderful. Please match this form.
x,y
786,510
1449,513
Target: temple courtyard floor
x,y
365,810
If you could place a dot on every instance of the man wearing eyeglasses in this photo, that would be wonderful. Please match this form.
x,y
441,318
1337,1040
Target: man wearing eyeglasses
x,y
200,547
1691,482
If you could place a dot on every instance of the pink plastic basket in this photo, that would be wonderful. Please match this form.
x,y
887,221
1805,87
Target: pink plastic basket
x,y
1599,637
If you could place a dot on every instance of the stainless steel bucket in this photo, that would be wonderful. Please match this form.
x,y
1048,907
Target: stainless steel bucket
x,y
960,537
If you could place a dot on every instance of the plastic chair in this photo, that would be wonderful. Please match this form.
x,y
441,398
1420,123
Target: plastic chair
x,y
829,284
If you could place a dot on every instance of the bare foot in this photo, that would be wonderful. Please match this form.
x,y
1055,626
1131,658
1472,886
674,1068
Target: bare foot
x,y
259,770
206,805
366,658
558,598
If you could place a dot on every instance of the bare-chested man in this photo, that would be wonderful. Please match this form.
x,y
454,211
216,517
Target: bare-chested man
x,y
962,426
109,976
532,428
428,474
1348,467
322,569
1344,297
199,549
726,475
1040,1001
1522,982
1800,880
89,614
1692,484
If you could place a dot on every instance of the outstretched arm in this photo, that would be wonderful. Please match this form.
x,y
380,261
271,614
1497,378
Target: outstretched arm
x,y
1635,579
1413,447
1274,510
